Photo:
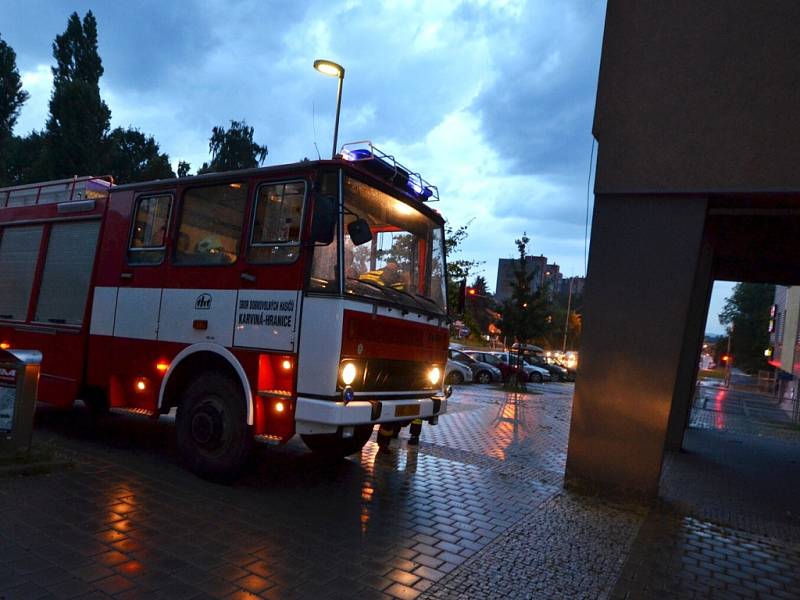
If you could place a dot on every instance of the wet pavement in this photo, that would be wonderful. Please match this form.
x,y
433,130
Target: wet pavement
x,y
477,510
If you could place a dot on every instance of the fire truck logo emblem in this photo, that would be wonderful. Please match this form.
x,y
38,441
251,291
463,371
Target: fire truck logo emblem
x,y
360,349
203,302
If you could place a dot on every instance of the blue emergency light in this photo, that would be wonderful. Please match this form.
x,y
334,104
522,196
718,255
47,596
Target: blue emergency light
x,y
385,166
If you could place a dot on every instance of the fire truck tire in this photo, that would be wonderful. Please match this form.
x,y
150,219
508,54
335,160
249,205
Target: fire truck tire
x,y
96,400
213,436
333,445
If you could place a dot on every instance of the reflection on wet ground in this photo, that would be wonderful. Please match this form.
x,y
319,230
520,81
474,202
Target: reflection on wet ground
x,y
128,518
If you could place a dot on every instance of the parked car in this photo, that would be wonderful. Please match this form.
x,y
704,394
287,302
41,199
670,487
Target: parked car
x,y
571,371
531,372
456,373
557,372
506,371
481,372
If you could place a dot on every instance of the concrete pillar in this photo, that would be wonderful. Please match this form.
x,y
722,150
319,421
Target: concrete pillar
x,y
641,286
693,336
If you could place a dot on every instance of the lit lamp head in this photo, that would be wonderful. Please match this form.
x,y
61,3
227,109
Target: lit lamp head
x,y
328,67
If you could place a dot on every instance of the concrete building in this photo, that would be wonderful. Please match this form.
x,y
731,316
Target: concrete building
x,y
784,339
697,125
505,274
552,275
577,284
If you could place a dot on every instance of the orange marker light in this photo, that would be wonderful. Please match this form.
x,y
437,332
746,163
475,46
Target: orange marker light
x,y
279,407
162,367
141,385
5,346
286,364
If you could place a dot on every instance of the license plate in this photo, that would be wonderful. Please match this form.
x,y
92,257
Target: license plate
x,y
406,410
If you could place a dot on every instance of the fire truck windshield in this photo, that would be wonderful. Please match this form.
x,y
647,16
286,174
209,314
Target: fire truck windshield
x,y
404,261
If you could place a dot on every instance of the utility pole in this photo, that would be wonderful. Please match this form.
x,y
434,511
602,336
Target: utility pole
x,y
566,323
728,361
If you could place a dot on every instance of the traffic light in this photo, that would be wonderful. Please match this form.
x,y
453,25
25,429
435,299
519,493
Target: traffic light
x,y
471,291
726,358
462,296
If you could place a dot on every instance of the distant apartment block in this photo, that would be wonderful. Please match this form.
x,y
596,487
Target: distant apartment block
x,y
543,272
505,274
577,284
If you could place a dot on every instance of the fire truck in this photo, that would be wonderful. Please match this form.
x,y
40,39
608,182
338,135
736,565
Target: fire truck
x,y
306,298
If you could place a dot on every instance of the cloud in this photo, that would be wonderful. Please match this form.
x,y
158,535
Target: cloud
x,y
37,82
490,99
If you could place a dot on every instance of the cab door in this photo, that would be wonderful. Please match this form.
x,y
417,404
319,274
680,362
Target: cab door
x,y
198,300
268,302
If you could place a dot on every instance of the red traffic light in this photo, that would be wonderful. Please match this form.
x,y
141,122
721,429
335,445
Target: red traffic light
x,y
725,358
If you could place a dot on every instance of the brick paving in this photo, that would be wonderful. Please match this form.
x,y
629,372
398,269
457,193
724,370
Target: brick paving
x,y
729,526
476,511
129,521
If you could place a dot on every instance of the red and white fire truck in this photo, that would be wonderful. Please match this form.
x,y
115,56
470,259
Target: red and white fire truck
x,y
307,298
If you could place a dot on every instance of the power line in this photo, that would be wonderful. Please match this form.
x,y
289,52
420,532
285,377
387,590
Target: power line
x,y
586,225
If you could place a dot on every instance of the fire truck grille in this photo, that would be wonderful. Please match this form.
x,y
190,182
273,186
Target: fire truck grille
x,y
385,375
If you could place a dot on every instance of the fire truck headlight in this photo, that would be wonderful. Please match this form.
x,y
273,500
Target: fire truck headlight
x,y
348,373
434,375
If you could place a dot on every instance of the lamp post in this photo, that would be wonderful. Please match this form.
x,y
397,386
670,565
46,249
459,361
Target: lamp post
x,y
330,68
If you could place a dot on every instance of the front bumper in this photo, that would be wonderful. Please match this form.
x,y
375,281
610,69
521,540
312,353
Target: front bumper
x,y
313,416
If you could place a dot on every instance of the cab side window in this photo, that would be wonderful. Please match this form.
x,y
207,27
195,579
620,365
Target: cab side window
x,y
149,228
277,222
210,225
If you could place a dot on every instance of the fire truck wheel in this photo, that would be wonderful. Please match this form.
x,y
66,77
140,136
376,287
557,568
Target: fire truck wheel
x,y
212,430
333,445
96,400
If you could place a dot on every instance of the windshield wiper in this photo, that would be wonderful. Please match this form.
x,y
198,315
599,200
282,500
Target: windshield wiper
x,y
386,288
427,300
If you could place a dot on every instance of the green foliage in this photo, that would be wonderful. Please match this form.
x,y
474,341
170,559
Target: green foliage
x,y
79,118
132,157
747,312
184,168
558,312
479,310
526,316
233,148
23,158
12,97
458,269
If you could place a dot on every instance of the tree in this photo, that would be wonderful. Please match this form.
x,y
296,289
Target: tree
x,y
480,307
12,97
747,312
457,269
526,315
23,158
79,119
134,157
184,168
233,148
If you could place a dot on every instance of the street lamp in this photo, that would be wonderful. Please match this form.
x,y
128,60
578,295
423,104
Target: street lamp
x,y
330,68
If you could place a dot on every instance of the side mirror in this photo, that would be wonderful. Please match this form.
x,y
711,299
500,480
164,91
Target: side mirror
x,y
323,229
359,232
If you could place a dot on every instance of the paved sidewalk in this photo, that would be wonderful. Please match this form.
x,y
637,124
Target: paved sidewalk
x,y
476,511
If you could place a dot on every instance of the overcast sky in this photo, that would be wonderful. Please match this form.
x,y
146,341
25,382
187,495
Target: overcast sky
x,y
491,100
